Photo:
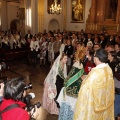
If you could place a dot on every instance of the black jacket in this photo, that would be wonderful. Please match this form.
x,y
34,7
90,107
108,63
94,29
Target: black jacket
x,y
68,50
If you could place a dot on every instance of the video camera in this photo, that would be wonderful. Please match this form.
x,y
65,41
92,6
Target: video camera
x,y
27,98
28,86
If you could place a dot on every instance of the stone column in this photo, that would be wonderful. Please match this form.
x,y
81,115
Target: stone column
x,y
41,8
34,16
64,13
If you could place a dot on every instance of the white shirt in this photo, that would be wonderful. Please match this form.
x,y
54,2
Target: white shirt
x,y
34,45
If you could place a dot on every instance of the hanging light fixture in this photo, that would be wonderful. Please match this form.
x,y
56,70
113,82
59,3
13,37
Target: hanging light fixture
x,y
55,9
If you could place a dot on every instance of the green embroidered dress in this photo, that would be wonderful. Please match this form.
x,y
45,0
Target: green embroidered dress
x,y
73,81
68,95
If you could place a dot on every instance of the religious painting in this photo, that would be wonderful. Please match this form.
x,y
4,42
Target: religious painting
x,y
77,11
52,2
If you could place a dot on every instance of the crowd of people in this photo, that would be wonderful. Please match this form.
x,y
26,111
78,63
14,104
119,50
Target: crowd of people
x,y
10,40
47,45
84,69
87,91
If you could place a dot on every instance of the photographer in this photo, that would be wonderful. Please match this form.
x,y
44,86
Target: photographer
x,y
13,95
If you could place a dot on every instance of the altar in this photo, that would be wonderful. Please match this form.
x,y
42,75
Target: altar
x,y
104,16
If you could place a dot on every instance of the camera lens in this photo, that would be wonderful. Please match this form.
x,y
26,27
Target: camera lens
x,y
28,86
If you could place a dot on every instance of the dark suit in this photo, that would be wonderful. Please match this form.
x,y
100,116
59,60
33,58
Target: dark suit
x,y
5,46
103,44
85,60
28,36
111,42
68,50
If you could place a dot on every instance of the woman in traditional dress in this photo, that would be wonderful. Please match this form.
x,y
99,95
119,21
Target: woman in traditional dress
x,y
113,63
50,51
53,84
43,50
5,43
68,95
90,63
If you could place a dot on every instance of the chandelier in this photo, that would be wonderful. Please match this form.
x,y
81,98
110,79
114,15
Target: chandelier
x,y
55,9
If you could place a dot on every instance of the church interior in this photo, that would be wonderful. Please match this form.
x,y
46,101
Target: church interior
x,y
40,16
35,15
